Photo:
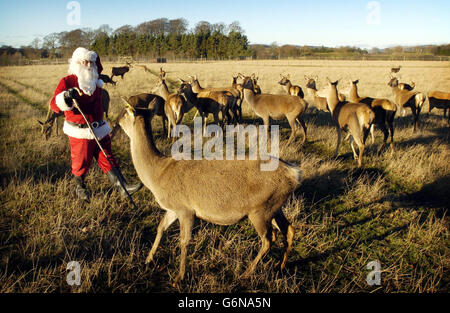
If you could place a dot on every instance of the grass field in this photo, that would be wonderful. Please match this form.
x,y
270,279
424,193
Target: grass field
x,y
393,210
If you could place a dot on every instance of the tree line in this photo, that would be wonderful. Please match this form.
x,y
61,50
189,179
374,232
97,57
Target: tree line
x,y
156,38
172,39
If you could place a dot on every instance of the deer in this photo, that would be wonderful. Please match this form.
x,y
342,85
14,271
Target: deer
x,y
319,102
293,90
47,124
357,118
173,106
167,179
106,79
440,100
405,98
145,100
206,102
276,107
231,93
395,69
384,110
120,71
239,88
52,116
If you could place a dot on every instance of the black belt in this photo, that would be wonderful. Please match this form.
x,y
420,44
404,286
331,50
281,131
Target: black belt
x,y
93,124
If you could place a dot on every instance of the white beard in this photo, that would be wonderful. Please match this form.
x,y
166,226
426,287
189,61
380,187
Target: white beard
x,y
87,78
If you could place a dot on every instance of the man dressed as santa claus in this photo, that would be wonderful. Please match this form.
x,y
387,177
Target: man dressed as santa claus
x,y
84,70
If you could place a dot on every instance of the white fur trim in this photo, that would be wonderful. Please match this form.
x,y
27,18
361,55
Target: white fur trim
x,y
85,133
61,103
100,83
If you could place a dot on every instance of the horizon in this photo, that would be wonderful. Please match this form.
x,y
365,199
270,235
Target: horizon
x,y
358,23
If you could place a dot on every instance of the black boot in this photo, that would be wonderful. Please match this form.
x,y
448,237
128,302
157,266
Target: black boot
x,y
80,188
116,178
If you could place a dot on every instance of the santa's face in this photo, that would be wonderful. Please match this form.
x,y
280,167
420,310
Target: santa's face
x,y
87,74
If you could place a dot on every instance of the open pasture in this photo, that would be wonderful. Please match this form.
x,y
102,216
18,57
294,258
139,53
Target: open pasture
x,y
393,209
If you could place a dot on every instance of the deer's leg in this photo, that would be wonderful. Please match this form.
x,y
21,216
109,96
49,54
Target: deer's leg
x,y
339,135
264,230
186,222
288,232
293,130
166,221
303,124
360,144
372,130
355,156
386,135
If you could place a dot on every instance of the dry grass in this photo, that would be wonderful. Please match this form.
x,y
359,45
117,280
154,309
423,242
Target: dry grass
x,y
393,210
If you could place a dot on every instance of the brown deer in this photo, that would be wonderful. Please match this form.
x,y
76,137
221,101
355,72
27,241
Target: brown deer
x,y
384,110
145,100
276,107
440,100
292,90
319,102
231,94
168,179
405,98
357,118
206,102
120,71
173,106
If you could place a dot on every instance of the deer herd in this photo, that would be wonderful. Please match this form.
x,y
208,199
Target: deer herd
x,y
171,181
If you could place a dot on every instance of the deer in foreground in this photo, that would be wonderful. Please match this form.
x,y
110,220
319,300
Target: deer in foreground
x,y
440,100
277,107
173,106
292,90
384,110
168,179
357,118
406,98
145,101
120,71
52,117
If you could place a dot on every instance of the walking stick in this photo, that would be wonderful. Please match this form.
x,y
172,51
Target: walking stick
x,y
75,104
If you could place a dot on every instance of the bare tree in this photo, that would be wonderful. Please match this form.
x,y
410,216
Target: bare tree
x,y
203,27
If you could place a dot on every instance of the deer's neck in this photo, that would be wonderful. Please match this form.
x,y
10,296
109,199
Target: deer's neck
x,y
288,86
249,96
144,153
353,93
332,99
164,91
197,88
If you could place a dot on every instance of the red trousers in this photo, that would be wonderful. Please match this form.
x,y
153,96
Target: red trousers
x,y
83,150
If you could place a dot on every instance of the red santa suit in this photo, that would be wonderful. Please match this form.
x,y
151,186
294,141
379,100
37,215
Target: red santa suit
x,y
82,144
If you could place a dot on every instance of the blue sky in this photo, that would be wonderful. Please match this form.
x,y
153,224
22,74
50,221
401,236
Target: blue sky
x,y
323,22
